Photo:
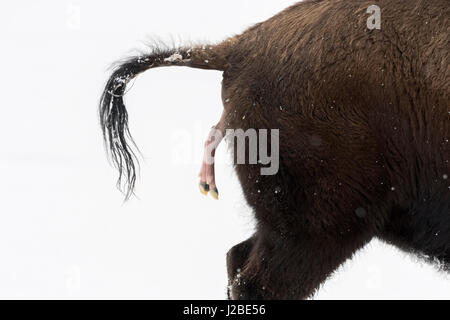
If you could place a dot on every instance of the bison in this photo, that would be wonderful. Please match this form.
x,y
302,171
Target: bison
x,y
359,93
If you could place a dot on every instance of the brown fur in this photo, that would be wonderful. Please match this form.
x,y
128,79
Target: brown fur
x,y
364,128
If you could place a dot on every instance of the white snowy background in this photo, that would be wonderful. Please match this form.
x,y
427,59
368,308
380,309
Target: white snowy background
x,y
64,230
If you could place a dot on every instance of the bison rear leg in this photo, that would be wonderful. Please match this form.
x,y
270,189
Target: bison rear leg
x,y
291,268
237,258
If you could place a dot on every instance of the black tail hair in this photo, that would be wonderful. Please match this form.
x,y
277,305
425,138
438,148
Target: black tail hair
x,y
113,113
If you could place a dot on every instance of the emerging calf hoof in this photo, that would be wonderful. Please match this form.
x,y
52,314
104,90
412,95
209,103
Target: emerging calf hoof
x,y
204,188
207,172
214,193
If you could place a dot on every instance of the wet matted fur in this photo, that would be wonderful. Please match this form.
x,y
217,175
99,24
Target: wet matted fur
x,y
364,127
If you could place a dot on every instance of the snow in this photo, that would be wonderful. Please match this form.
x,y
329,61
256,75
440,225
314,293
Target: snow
x,y
176,57
64,230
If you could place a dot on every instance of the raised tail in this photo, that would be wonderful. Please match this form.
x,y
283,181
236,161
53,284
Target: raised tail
x,y
114,116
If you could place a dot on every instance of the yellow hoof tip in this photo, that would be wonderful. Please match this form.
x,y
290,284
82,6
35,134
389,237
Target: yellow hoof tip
x,y
214,194
204,188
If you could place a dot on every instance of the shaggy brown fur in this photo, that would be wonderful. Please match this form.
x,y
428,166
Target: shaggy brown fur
x,y
364,128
